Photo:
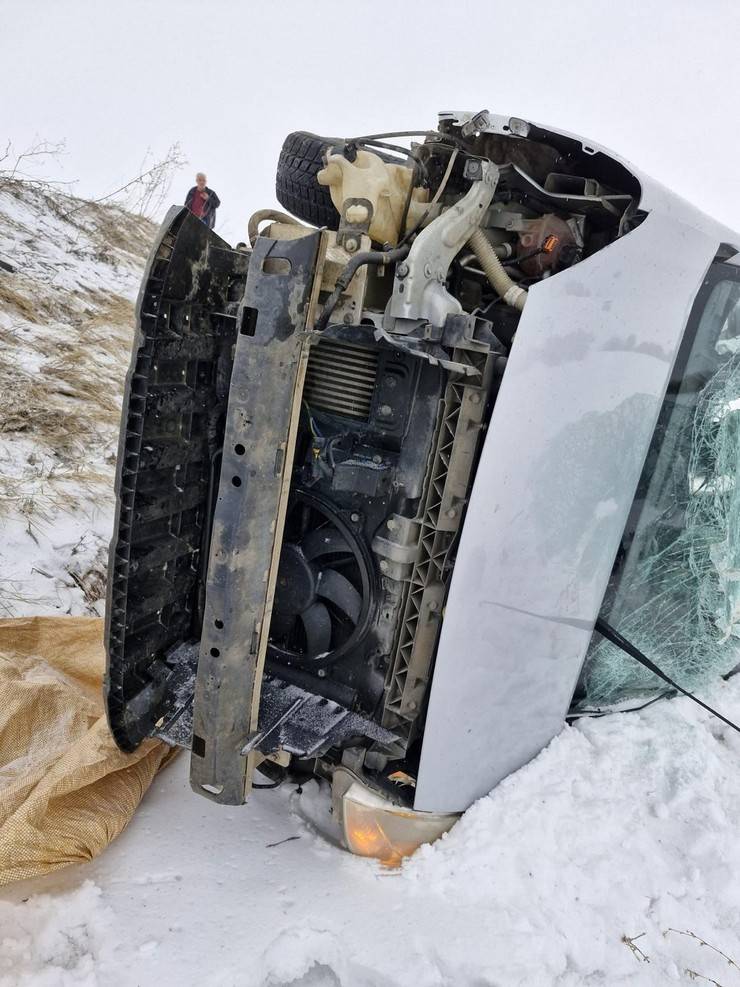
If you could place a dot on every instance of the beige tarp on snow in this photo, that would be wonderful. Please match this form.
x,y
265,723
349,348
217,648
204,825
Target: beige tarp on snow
x,y
66,790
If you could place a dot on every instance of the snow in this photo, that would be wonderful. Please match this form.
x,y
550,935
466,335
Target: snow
x,y
66,324
568,873
623,827
54,941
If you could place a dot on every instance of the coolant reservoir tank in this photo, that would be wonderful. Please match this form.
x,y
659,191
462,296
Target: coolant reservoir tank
x,y
371,191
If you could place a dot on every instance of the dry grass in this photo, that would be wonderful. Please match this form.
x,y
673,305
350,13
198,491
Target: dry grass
x,y
76,395
116,229
24,406
11,598
90,578
16,302
69,408
111,228
65,342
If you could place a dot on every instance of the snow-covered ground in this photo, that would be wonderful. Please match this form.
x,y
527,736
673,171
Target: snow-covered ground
x,y
611,859
624,827
66,327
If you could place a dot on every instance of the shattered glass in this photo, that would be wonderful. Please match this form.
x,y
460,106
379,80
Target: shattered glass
x,y
674,591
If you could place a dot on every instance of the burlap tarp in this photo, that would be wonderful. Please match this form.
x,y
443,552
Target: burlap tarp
x,y
66,790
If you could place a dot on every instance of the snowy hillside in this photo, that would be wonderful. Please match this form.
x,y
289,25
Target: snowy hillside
x,y
66,326
611,859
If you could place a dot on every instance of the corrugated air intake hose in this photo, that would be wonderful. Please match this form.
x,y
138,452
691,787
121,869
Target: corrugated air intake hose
x,y
511,293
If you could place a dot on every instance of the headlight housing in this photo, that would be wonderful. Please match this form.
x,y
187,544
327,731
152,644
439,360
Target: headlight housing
x,y
373,826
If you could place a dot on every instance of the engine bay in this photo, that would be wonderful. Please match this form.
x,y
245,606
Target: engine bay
x,y
308,410
398,393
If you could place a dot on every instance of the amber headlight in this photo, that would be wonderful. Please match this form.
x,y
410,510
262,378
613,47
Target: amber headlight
x,y
375,827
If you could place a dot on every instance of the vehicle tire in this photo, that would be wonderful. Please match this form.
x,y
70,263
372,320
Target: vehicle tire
x,y
296,185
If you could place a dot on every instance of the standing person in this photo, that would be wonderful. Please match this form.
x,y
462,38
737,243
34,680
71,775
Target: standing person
x,y
203,201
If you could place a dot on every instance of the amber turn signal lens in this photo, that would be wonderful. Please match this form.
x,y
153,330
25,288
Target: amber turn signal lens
x,y
375,827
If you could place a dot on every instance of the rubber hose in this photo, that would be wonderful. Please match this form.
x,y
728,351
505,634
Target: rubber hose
x,y
263,214
502,284
380,258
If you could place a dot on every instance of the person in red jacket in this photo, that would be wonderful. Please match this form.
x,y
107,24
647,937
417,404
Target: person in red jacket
x,y
203,201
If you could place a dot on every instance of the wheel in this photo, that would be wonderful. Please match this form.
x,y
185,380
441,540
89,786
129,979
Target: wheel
x,y
296,185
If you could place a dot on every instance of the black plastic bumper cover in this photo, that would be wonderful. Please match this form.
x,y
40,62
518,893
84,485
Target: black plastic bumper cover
x,y
174,408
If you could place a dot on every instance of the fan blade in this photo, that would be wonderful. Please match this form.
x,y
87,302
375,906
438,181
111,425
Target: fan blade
x,y
305,519
337,589
317,625
281,624
324,541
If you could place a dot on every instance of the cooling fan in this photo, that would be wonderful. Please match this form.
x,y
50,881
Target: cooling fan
x,y
323,596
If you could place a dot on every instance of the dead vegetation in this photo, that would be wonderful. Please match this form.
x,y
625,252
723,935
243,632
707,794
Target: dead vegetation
x,y
64,350
20,303
690,972
114,230
70,272
90,579
631,943
75,395
45,487
29,165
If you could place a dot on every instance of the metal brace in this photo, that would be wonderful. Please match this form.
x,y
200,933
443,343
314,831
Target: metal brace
x,y
419,292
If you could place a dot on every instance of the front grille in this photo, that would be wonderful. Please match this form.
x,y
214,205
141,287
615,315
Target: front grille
x,y
340,379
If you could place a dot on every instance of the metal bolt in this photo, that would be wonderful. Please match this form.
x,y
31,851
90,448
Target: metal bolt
x,y
386,410
427,270
383,565
402,270
475,398
452,512
392,524
433,605
321,672
351,244
354,517
377,459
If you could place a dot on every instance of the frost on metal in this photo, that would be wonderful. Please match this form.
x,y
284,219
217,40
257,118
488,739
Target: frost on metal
x,y
677,592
